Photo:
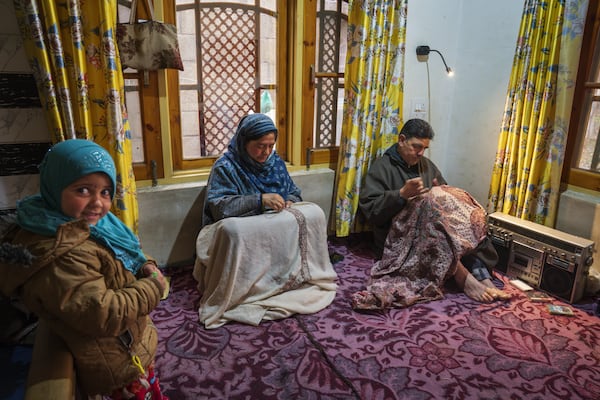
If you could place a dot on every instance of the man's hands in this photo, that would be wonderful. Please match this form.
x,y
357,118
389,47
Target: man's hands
x,y
273,201
414,187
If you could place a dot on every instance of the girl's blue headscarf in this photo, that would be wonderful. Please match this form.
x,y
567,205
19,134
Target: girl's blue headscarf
x,y
64,163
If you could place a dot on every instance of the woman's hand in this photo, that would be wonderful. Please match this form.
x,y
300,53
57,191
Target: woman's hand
x,y
150,270
272,201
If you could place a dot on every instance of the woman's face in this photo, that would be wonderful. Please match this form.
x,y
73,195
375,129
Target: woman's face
x,y
260,149
88,197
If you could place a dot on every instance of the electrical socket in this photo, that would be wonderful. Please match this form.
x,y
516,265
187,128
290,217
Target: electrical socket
x,y
418,108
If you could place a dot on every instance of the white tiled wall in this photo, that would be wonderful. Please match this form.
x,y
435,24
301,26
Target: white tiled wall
x,y
17,125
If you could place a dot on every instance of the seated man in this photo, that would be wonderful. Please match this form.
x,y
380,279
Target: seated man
x,y
403,174
262,253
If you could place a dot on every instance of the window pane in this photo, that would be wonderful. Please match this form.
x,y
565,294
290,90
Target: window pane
x,y
230,69
340,114
268,101
269,4
134,115
250,2
589,155
268,57
343,44
186,35
123,13
189,124
589,146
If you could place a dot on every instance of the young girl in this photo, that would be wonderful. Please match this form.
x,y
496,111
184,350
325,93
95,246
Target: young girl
x,y
81,270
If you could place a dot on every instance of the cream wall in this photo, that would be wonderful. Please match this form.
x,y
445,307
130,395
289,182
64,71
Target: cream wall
x,y
477,39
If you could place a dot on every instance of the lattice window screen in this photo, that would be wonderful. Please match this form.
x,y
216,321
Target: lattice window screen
x,y
329,76
327,87
228,67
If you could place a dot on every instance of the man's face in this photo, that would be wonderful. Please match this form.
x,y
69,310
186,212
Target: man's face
x,y
411,150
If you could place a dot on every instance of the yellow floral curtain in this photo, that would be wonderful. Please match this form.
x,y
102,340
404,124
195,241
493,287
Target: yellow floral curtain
x,y
373,98
526,173
72,50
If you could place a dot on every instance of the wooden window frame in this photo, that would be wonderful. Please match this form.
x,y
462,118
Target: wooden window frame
x,y
309,154
571,175
298,151
153,166
179,164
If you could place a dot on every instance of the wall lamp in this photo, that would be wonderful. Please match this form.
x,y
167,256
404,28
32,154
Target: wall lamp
x,y
423,55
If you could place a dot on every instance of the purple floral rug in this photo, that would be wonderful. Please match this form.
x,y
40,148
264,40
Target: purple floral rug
x,y
453,348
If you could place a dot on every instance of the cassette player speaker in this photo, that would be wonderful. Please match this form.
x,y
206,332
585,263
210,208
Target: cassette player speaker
x,y
553,261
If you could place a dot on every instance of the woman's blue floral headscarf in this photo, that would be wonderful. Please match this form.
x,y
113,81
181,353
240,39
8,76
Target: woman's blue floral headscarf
x,y
268,177
64,163
251,127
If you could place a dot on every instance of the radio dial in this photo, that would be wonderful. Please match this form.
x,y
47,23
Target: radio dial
x,y
589,261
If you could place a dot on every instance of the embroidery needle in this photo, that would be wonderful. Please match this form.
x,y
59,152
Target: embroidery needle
x,y
420,169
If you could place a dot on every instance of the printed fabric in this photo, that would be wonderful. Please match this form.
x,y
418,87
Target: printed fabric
x,y
426,240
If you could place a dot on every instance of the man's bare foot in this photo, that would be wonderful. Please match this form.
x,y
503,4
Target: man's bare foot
x,y
477,290
497,293
484,291
488,283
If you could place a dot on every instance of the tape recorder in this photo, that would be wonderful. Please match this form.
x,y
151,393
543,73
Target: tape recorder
x,y
553,261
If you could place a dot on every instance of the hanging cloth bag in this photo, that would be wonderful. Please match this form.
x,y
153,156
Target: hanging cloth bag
x,y
148,45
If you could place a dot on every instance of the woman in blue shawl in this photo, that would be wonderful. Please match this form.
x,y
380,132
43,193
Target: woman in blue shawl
x,y
274,261
250,178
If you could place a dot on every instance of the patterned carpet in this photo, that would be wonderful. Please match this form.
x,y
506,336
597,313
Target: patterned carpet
x,y
449,349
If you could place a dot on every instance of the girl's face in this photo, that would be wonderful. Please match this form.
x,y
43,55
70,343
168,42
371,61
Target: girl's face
x,y
88,197
260,149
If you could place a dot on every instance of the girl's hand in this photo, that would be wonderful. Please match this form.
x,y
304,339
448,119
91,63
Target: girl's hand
x,y
150,270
